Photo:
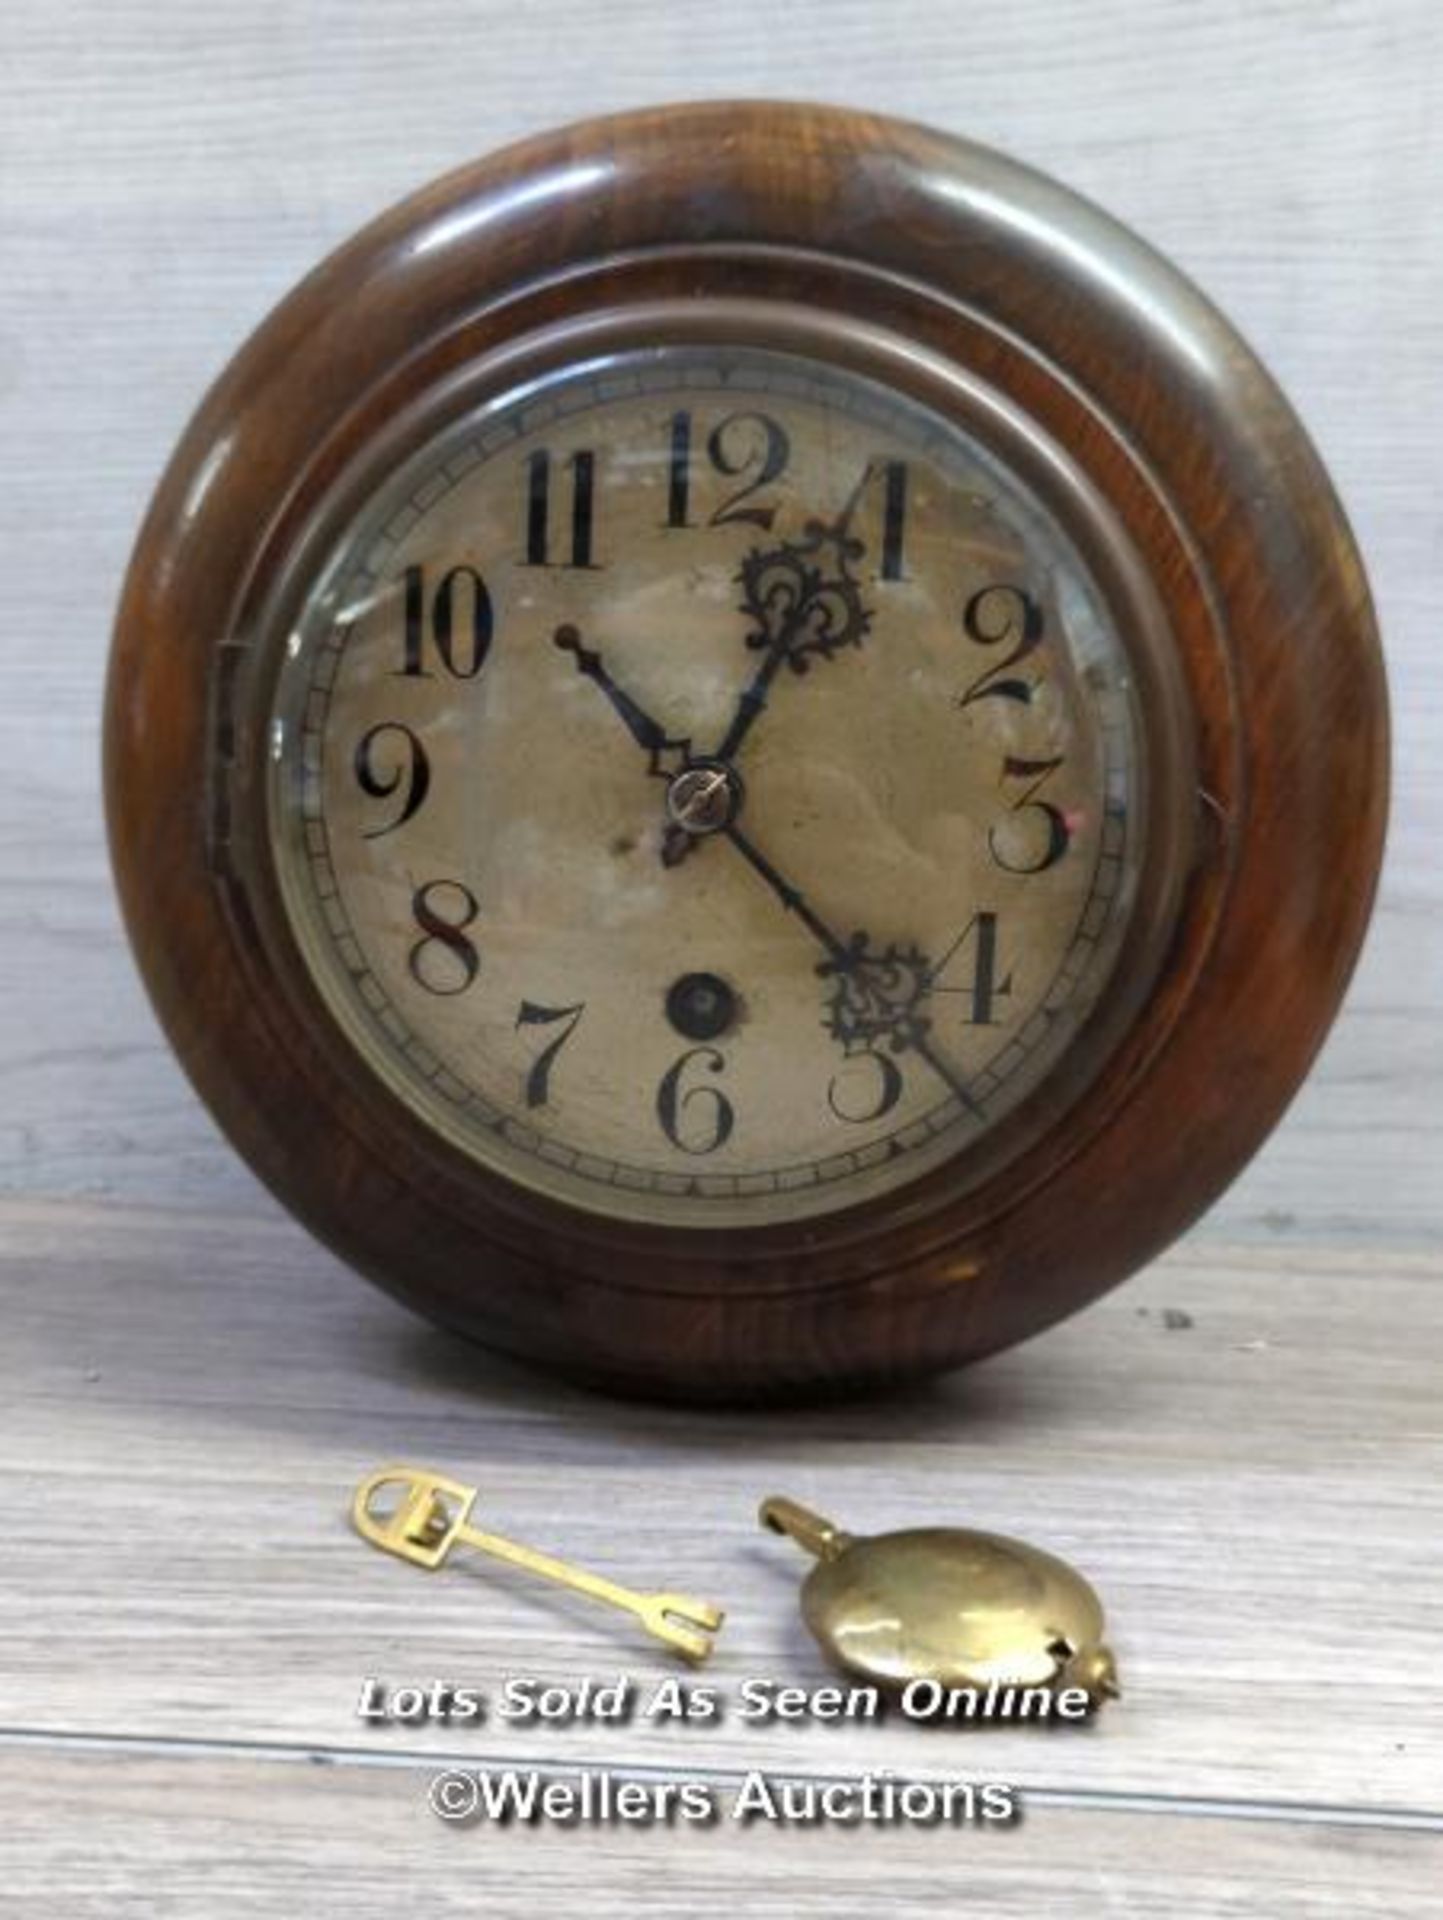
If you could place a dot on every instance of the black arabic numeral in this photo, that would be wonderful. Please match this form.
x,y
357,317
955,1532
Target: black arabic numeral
x,y
410,767
415,646
1058,829
678,496
984,988
672,1103
458,588
538,1080
889,1090
894,519
443,933
744,444
993,617
582,468
734,449
894,512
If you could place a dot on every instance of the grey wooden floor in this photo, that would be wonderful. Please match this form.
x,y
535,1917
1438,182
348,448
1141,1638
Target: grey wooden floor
x,y
1244,1450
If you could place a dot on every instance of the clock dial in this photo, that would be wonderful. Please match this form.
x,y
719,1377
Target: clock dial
x,y
706,786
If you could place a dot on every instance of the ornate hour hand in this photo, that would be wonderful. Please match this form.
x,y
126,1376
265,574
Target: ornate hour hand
x,y
804,605
879,996
649,734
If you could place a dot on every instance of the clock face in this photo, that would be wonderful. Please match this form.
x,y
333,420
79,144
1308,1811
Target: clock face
x,y
706,787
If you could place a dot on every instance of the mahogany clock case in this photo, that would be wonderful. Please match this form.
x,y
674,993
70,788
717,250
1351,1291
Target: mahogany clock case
x,y
1189,485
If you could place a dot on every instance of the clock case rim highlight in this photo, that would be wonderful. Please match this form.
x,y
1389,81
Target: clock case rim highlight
x,y
1117,357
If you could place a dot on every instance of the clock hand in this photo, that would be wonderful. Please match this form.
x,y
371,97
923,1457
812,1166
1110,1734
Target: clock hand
x,y
878,997
877,994
802,612
791,897
648,734
700,792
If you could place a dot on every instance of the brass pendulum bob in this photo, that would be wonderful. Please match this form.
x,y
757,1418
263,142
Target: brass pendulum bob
x,y
964,1609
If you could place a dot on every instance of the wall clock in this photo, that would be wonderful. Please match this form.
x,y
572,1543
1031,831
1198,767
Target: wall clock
x,y
746,751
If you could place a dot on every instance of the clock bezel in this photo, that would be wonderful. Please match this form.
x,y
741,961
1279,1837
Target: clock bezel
x,y
281,582
1118,358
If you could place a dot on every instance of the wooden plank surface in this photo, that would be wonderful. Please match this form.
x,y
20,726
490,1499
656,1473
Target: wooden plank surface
x,y
1245,1455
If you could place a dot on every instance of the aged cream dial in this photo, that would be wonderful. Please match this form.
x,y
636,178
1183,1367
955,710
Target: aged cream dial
x,y
706,786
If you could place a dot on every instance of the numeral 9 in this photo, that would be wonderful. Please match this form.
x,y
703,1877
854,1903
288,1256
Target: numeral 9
x,y
390,742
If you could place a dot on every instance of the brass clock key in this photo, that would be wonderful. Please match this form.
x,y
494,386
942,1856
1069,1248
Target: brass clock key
x,y
963,1608
432,1515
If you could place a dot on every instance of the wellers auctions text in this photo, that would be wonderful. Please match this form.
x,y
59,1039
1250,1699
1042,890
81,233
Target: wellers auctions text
x,y
463,1796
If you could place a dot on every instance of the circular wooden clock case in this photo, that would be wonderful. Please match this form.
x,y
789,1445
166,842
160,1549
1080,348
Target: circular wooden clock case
x,y
746,751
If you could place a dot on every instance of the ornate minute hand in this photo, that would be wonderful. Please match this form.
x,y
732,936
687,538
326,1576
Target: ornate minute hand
x,y
878,995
